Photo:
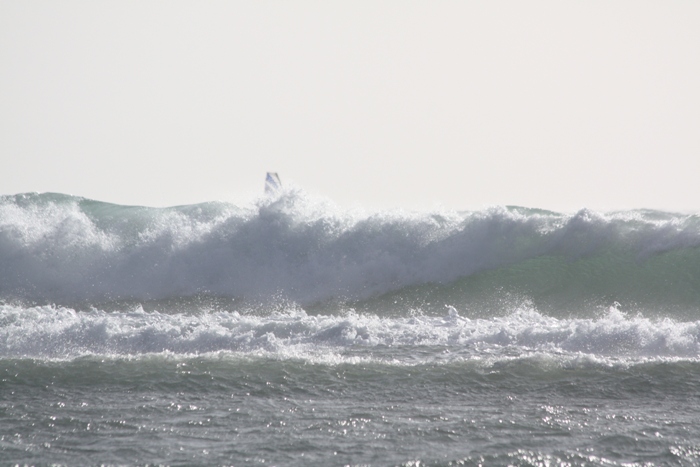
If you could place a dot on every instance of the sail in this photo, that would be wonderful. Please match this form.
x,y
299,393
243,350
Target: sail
x,y
272,183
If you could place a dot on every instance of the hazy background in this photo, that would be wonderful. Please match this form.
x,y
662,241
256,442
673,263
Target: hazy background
x,y
412,104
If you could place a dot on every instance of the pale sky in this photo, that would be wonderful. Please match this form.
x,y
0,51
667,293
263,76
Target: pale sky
x,y
388,104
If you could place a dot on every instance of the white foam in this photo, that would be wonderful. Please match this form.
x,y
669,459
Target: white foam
x,y
60,333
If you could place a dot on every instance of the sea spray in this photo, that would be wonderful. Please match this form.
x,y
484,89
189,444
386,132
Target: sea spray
x,y
69,250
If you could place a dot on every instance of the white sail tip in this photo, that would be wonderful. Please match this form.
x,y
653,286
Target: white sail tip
x,y
272,183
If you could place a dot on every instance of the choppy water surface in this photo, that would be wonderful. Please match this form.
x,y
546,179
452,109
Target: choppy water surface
x,y
291,332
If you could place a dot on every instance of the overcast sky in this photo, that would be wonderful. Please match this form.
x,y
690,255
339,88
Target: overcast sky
x,y
393,104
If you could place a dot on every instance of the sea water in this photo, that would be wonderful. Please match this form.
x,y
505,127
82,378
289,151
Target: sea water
x,y
292,332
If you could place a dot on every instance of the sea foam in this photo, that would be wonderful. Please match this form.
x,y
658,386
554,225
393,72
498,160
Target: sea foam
x,y
62,333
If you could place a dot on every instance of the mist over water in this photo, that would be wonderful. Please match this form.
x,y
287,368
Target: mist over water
x,y
292,332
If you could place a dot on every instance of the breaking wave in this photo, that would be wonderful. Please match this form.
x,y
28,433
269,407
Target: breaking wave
x,y
69,250
51,332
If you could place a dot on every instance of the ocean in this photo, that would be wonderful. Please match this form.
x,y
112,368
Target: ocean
x,y
292,332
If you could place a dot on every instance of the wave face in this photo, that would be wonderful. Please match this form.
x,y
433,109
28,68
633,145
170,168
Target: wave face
x,y
68,250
